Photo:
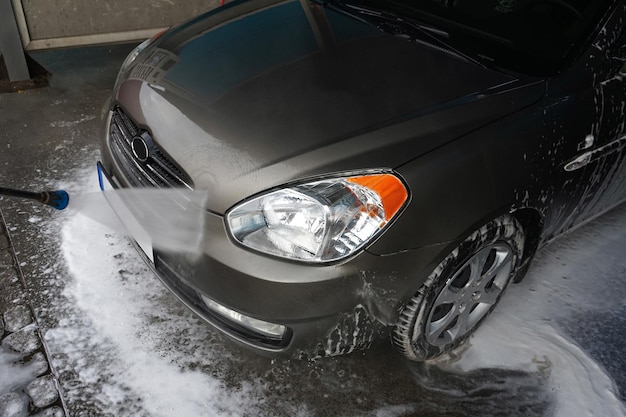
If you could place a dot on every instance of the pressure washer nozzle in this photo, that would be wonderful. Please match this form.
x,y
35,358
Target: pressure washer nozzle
x,y
58,199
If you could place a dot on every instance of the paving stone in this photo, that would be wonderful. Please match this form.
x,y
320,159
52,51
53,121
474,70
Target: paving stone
x,y
17,318
23,341
6,258
51,412
42,391
14,404
4,240
8,275
17,323
10,296
38,364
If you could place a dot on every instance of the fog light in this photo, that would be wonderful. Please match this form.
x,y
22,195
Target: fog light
x,y
270,330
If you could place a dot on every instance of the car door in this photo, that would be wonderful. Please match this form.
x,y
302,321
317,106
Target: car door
x,y
586,108
603,153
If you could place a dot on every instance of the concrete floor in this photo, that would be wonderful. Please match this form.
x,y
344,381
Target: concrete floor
x,y
35,151
29,127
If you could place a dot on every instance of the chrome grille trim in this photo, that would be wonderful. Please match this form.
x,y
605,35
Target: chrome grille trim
x,y
157,171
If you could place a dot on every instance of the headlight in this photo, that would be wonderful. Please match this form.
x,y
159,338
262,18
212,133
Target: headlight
x,y
320,221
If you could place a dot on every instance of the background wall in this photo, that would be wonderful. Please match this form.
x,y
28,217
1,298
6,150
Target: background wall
x,y
60,23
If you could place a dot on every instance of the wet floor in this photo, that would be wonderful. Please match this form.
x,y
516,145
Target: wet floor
x,y
122,345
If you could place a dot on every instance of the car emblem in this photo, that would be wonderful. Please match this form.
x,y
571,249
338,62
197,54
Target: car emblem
x,y
140,148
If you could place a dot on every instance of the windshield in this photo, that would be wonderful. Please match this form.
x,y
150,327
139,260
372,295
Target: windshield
x,y
534,37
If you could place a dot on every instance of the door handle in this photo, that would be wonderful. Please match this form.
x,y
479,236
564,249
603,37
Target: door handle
x,y
585,158
578,162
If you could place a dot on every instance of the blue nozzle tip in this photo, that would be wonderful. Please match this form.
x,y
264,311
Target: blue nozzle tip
x,y
59,199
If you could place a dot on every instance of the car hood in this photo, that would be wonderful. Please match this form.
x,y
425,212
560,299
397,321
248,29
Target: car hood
x,y
260,93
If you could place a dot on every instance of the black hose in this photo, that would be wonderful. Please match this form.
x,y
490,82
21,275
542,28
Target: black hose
x,y
58,199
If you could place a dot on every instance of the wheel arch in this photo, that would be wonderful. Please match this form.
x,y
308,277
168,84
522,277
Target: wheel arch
x,y
532,223
505,227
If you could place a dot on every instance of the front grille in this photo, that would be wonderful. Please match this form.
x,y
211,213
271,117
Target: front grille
x,y
157,170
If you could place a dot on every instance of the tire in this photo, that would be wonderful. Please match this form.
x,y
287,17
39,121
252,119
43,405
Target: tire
x,y
461,292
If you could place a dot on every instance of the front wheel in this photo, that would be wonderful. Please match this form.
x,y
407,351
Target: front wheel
x,y
461,291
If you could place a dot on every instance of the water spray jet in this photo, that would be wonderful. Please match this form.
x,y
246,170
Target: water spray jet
x,y
58,199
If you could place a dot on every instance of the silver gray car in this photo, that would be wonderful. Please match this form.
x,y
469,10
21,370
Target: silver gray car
x,y
374,169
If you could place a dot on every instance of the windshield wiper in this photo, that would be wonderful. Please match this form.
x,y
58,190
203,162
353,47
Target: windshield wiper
x,y
388,21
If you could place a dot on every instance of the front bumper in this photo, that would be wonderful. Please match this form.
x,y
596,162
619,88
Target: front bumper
x,y
325,309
